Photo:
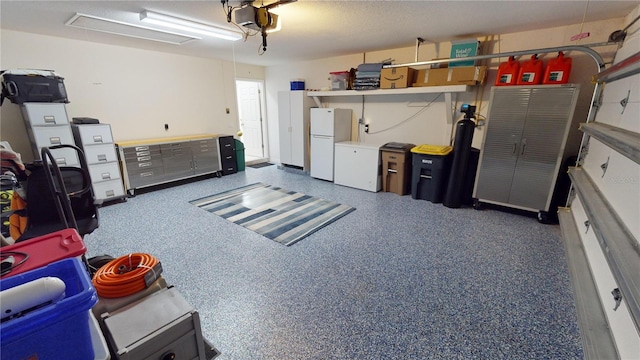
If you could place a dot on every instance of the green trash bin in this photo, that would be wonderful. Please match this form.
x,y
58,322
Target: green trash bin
x,y
239,154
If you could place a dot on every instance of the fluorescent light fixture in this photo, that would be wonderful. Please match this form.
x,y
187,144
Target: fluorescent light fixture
x,y
189,26
95,23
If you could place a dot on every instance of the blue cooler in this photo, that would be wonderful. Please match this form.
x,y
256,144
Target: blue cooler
x,y
55,331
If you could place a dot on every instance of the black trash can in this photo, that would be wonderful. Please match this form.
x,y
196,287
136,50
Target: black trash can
x,y
239,155
431,165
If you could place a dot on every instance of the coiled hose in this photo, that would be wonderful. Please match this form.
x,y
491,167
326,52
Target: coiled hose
x,y
125,275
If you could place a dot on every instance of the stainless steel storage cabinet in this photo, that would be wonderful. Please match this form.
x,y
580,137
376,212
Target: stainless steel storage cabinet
x,y
527,128
157,161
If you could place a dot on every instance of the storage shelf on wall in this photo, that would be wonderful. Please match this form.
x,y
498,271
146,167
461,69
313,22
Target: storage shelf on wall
x,y
621,140
404,91
619,246
447,90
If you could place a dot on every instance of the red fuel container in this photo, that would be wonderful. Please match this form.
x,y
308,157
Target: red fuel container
x,y
557,70
508,72
530,72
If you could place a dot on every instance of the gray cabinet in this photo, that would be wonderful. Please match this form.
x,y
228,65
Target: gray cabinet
x,y
527,128
153,162
47,125
96,141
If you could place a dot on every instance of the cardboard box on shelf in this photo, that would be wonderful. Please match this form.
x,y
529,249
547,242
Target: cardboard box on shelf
x,y
397,78
468,75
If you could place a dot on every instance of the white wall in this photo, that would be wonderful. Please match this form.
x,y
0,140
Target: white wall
x,y
400,119
135,91
138,91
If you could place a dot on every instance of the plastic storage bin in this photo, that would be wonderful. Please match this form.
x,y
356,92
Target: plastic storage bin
x,y
297,84
55,331
44,250
339,80
431,165
396,167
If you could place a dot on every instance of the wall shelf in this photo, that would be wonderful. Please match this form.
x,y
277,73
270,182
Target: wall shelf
x,y
446,89
405,91
618,244
621,140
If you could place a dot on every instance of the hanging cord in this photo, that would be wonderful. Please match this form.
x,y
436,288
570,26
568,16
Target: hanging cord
x,y
424,108
126,275
584,16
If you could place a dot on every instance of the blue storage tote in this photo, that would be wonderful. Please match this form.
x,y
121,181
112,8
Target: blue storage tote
x,y
55,331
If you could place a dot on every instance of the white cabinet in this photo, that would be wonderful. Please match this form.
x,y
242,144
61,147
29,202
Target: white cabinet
x,y
47,125
293,125
97,144
358,165
523,147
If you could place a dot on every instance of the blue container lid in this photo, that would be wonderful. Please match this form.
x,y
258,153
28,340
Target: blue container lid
x,y
80,296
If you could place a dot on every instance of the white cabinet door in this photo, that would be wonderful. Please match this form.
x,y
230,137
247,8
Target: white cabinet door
x,y
284,126
322,157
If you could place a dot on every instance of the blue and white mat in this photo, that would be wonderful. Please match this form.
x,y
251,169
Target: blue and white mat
x,y
281,215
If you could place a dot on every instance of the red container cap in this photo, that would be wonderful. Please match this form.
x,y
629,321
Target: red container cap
x,y
530,71
557,70
43,250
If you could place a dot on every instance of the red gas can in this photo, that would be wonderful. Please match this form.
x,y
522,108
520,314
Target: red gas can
x,y
530,72
557,70
508,72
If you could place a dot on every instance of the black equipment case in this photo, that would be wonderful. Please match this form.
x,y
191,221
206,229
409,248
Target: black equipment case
x,y
24,85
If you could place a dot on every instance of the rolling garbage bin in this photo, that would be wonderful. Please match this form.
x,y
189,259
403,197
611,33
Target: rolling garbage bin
x,y
396,167
239,154
431,165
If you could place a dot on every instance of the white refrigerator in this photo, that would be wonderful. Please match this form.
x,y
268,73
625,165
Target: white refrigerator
x,y
328,126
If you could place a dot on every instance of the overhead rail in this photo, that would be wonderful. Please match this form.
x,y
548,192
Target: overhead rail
x,y
587,49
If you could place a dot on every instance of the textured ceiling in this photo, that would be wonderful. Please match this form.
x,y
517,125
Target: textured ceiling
x,y
315,28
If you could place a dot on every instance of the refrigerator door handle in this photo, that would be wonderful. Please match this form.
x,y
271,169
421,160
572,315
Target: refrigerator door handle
x,y
321,136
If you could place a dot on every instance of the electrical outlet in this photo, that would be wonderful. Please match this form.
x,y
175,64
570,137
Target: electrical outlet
x,y
366,128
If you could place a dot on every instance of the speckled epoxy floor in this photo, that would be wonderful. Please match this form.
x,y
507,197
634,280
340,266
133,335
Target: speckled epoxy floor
x,y
396,279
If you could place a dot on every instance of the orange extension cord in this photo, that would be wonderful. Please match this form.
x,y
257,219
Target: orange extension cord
x,y
124,276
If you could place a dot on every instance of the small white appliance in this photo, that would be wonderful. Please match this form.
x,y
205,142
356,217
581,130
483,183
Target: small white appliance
x,y
328,126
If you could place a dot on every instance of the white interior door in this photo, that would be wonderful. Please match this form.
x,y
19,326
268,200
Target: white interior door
x,y
250,117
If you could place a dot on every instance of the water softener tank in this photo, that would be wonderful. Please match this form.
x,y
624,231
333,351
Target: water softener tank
x,y
461,152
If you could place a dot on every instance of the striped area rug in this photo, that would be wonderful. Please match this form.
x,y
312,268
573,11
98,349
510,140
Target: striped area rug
x,y
281,215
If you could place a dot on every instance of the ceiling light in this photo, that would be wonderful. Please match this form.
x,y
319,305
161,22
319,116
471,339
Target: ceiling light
x,y
95,23
189,26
